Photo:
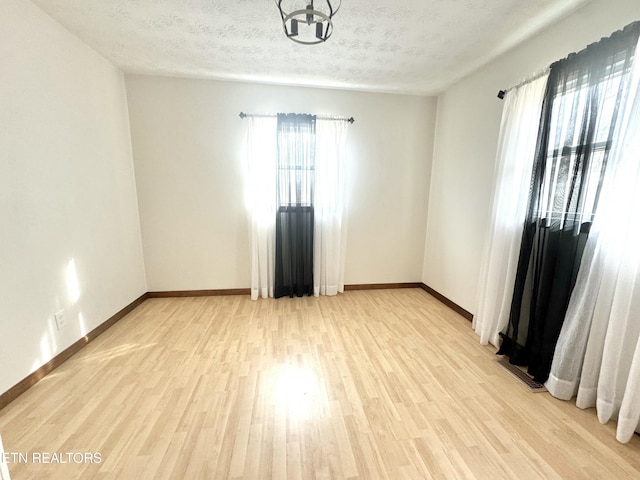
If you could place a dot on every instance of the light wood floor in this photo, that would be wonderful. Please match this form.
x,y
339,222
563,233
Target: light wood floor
x,y
366,385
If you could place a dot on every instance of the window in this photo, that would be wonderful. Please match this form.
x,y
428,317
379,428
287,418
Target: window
x,y
296,160
583,118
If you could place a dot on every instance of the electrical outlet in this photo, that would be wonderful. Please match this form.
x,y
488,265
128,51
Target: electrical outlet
x,y
60,320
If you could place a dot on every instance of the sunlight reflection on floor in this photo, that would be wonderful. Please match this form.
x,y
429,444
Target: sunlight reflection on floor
x,y
297,388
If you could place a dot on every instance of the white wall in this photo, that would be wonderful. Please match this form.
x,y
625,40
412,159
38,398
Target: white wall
x,y
467,129
188,152
70,236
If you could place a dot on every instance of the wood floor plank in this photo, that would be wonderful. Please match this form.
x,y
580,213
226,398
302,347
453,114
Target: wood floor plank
x,y
385,384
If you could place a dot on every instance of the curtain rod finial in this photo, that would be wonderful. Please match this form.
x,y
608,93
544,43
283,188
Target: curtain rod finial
x,y
243,115
351,120
501,94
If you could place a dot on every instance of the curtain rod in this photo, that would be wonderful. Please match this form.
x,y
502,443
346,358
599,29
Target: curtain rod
x,y
626,29
535,76
264,115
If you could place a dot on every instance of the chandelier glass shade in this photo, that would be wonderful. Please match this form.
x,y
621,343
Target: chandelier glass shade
x,y
308,21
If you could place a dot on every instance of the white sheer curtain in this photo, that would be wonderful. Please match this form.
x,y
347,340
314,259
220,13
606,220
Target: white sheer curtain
x,y
261,202
516,150
598,353
330,232
329,205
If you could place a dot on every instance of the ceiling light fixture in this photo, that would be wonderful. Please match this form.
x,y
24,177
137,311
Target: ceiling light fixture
x,y
308,22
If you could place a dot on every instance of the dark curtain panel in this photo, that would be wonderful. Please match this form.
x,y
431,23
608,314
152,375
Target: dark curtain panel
x,y
584,94
294,220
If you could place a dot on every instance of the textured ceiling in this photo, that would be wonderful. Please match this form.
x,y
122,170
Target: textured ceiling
x,y
404,46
